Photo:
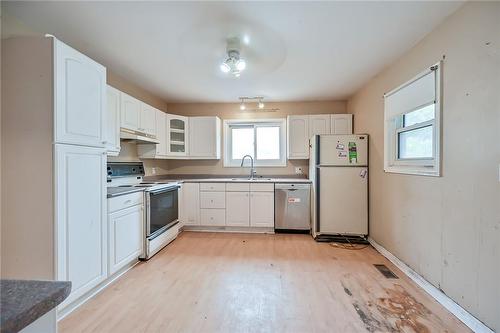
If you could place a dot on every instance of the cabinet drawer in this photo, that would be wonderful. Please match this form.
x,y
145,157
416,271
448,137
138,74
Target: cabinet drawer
x,y
262,187
213,200
238,187
215,217
124,201
214,187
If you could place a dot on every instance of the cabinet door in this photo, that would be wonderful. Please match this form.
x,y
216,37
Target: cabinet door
x,y
238,209
161,133
80,98
113,122
125,237
147,119
298,137
341,124
177,135
80,197
204,137
129,115
319,124
262,209
191,203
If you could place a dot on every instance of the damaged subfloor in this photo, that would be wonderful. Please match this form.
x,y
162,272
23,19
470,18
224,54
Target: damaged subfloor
x,y
219,282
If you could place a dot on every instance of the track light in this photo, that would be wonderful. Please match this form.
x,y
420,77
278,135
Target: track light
x,y
261,104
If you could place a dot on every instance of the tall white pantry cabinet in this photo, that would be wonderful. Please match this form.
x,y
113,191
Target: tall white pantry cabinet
x,y
54,147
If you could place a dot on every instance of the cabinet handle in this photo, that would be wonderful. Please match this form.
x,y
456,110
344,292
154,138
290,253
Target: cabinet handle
x,y
104,142
127,201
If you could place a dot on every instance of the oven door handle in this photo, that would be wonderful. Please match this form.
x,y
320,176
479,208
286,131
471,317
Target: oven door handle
x,y
164,190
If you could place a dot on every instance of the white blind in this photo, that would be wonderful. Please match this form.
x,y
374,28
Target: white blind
x,y
411,95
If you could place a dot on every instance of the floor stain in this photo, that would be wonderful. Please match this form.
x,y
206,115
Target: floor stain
x,y
404,309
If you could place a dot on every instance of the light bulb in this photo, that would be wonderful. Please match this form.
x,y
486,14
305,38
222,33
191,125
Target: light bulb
x,y
236,74
224,67
241,64
242,106
261,105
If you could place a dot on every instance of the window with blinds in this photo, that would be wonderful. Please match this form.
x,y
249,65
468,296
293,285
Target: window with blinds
x,y
412,125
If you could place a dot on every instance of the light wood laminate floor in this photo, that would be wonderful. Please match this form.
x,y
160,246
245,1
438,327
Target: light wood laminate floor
x,y
219,282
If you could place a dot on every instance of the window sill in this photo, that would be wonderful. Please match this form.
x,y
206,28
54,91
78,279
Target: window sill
x,y
413,170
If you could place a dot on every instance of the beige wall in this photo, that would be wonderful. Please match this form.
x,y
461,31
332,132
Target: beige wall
x,y
27,240
447,228
232,111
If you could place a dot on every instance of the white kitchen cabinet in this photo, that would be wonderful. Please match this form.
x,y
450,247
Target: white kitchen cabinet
x,y
159,150
262,209
205,137
341,124
213,217
80,98
112,139
319,124
125,237
177,135
147,120
298,137
80,207
238,209
191,203
129,112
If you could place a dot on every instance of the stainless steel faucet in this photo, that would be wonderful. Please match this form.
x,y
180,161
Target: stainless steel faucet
x,y
252,170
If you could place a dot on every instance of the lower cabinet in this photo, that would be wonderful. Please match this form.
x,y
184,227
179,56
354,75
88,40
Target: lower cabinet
x,y
262,209
238,209
213,217
229,204
125,237
190,204
80,199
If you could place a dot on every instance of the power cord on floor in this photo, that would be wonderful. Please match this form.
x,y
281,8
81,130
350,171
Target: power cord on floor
x,y
348,245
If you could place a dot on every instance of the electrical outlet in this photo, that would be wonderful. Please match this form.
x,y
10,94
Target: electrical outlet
x,y
153,171
298,171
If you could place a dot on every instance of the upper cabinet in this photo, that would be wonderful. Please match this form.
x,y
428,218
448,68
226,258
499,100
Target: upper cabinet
x,y
319,124
177,135
341,124
302,128
147,120
205,137
159,150
298,137
112,138
129,112
80,98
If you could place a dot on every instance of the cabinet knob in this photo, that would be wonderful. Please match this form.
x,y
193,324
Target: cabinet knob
x,y
104,142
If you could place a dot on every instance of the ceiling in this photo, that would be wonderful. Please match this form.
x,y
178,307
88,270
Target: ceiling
x,y
296,51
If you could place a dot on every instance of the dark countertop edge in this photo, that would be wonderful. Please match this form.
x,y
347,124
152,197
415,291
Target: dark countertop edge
x,y
16,315
126,190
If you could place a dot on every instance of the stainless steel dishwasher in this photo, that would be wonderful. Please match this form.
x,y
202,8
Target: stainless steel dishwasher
x,y
292,207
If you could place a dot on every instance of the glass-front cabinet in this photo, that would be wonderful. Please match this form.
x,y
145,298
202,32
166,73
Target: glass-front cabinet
x,y
177,135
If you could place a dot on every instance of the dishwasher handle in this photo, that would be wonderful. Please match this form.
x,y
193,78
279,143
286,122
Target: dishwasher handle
x,y
292,187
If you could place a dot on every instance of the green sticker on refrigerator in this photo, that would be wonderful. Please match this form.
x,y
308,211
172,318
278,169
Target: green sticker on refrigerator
x,y
353,152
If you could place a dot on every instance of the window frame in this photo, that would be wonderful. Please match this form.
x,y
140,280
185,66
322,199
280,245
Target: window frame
x,y
233,163
424,166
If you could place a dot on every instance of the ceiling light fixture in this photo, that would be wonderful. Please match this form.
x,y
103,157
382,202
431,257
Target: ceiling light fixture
x,y
261,104
258,100
234,64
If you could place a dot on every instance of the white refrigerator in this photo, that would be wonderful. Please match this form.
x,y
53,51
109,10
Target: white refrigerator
x,y
339,172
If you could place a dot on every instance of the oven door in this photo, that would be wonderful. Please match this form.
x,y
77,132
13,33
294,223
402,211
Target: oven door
x,y
162,208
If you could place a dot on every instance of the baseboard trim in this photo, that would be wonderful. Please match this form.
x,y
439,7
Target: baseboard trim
x,y
64,312
463,315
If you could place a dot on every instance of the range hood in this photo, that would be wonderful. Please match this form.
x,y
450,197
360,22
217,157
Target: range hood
x,y
138,137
